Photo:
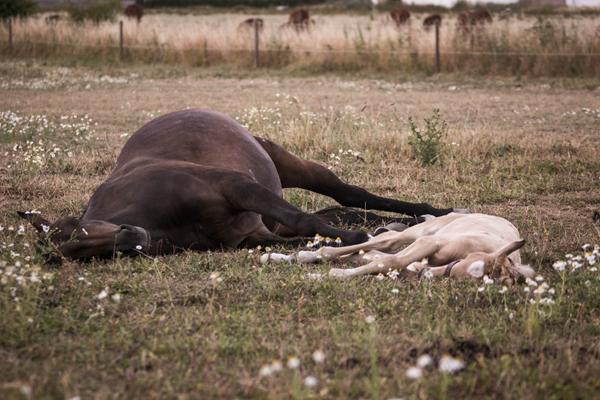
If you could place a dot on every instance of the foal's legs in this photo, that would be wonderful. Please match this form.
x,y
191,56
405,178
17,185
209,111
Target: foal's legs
x,y
295,172
421,248
391,241
387,242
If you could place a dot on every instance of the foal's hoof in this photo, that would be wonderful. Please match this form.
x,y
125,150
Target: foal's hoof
x,y
339,273
308,257
276,258
394,226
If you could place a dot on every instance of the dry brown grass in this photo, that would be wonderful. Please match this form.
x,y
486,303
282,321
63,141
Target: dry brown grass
x,y
517,45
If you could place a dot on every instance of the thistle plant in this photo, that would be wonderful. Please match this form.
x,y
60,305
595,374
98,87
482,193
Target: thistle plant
x,y
427,144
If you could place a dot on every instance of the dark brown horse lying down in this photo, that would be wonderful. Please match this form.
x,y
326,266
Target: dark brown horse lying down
x,y
198,180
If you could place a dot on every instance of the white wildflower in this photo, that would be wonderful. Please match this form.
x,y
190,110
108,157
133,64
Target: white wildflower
x,y
449,364
369,319
530,282
318,356
310,381
424,361
216,277
265,370
414,373
559,266
546,301
103,294
276,366
293,362
393,274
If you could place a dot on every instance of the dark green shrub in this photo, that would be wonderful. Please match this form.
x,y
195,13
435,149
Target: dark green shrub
x,y
15,8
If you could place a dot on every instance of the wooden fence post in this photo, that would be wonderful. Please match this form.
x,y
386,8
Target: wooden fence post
x,y
256,43
437,48
121,40
205,48
10,35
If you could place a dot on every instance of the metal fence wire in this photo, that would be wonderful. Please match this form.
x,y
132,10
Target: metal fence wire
x,y
256,49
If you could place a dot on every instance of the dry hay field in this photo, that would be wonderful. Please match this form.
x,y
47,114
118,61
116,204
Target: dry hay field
x,y
511,44
221,325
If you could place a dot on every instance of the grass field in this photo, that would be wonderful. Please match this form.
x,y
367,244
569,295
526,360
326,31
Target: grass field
x,y
207,325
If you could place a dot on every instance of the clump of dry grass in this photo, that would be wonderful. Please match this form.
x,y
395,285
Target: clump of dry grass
x,y
554,46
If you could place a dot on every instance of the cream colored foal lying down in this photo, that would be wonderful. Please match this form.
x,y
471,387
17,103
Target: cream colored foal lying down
x,y
455,245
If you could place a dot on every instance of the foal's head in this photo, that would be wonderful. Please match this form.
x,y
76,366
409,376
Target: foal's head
x,y
84,239
497,264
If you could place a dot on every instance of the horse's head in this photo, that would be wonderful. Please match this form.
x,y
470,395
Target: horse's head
x,y
84,239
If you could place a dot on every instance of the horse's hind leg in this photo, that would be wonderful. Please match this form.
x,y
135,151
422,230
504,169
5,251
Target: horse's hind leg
x,y
295,172
264,237
242,193
348,217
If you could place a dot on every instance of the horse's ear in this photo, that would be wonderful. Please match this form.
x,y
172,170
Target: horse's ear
x,y
36,219
509,248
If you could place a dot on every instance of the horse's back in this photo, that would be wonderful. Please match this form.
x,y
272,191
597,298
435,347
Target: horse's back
x,y
205,138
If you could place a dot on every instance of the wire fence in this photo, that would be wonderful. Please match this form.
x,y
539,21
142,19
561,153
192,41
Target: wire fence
x,y
255,48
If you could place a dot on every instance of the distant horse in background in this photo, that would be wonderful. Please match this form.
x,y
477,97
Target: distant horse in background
x,y
432,20
53,19
468,20
134,11
400,16
250,22
299,20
